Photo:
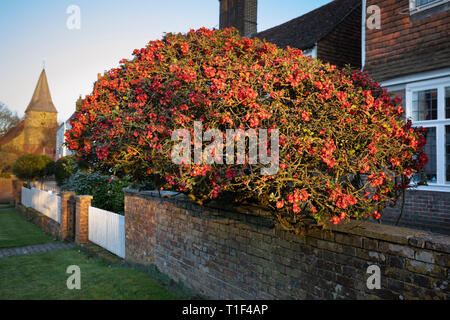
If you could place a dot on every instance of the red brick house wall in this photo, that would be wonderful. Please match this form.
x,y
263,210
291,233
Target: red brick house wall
x,y
426,210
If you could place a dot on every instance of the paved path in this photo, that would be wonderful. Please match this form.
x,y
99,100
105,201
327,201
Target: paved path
x,y
36,248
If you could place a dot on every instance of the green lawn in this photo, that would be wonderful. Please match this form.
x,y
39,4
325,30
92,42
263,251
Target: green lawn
x,y
43,276
15,231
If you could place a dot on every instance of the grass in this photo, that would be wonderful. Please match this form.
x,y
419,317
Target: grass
x,y
176,287
15,231
43,276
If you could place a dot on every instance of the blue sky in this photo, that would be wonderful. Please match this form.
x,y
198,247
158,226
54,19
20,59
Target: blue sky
x,y
34,30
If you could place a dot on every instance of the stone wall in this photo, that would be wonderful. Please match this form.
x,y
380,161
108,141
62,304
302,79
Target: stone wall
x,y
229,255
40,133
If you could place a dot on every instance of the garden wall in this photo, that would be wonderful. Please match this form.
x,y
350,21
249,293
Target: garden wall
x,y
6,190
47,224
229,255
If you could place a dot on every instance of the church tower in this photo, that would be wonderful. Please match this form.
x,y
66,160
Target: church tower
x,y
240,14
40,122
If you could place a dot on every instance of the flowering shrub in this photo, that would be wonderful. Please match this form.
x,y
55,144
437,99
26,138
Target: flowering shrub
x,y
344,151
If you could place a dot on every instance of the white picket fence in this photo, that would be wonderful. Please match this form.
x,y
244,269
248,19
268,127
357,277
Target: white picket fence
x,y
45,202
107,229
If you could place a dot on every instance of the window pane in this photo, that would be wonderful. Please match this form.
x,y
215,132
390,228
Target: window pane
x,y
447,102
424,105
430,150
447,153
422,2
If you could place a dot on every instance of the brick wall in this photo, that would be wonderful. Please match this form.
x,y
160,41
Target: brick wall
x,y
17,191
67,215
228,255
6,190
47,224
427,210
82,204
406,44
343,45
241,14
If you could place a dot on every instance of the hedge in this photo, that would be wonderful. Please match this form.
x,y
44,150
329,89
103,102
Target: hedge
x,y
345,150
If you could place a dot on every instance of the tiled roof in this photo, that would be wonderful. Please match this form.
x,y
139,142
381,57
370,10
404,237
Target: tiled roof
x,y
305,31
12,133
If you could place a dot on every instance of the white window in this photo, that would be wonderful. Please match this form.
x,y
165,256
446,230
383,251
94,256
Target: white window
x,y
311,52
420,5
428,105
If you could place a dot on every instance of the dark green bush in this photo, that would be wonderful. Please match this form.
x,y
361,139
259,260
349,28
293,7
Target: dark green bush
x,y
63,169
107,191
49,169
31,166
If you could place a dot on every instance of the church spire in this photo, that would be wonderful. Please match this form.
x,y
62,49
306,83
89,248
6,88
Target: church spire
x,y
41,100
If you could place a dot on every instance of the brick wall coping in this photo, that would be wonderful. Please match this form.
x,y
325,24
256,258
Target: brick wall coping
x,y
393,234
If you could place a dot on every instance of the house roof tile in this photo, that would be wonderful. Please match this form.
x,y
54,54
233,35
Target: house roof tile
x,y
305,31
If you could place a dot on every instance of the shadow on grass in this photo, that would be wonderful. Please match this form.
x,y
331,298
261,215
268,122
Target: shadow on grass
x,y
178,288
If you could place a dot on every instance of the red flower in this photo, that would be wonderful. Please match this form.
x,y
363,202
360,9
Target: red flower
x,y
376,215
395,161
230,174
184,47
210,72
280,204
305,116
365,168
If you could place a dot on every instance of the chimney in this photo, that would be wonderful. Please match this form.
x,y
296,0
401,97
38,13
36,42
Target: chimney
x,y
240,14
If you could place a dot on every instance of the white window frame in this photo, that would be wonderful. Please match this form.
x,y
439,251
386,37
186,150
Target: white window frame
x,y
440,84
413,8
311,52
